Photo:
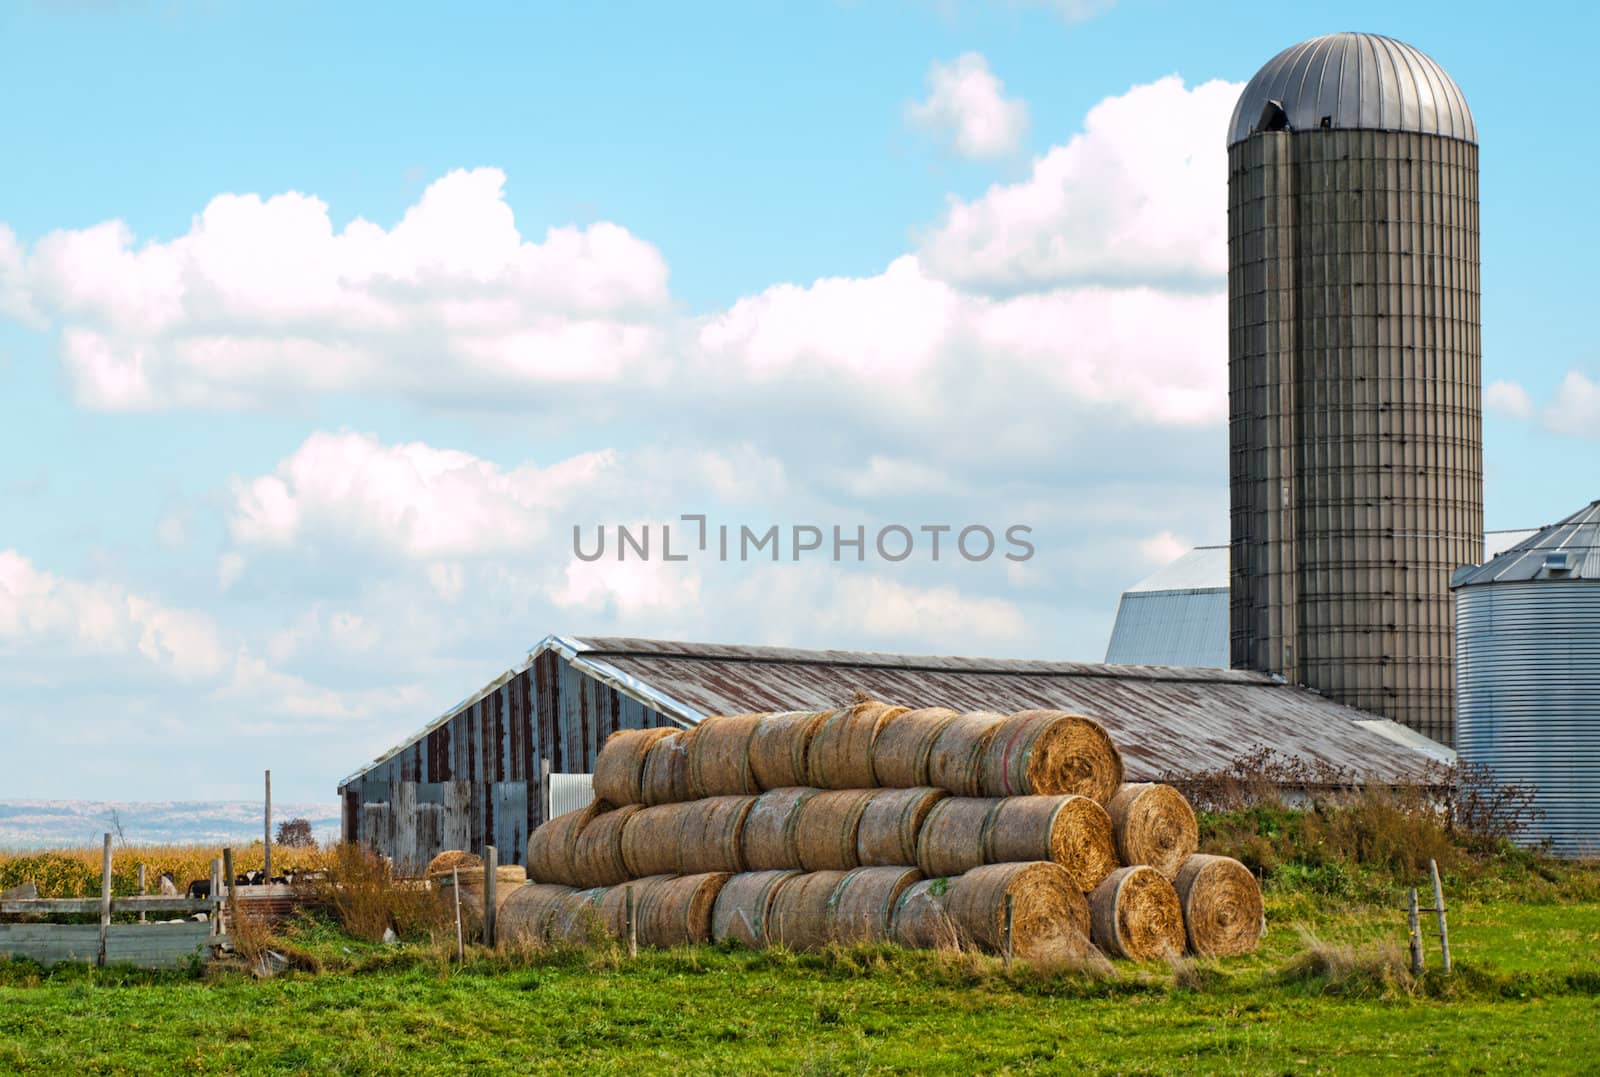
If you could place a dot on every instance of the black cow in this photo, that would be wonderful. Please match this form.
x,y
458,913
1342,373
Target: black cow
x,y
200,889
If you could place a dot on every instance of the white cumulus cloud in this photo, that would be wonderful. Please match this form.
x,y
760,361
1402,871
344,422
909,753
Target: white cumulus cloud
x,y
1140,195
263,298
1576,407
966,107
1507,398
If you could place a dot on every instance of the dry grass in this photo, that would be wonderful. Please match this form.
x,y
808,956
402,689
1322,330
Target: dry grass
x,y
364,897
1376,970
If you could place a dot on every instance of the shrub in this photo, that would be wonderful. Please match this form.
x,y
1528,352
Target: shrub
x,y
295,834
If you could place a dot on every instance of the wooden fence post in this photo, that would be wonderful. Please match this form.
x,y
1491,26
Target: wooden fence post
x,y
216,896
631,924
268,870
1414,922
491,869
227,888
455,888
1010,910
105,900
142,891
1438,906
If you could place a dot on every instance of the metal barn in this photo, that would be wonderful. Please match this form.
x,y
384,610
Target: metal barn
x,y
480,774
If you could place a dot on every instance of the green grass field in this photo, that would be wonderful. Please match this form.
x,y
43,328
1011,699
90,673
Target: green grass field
x,y
1526,997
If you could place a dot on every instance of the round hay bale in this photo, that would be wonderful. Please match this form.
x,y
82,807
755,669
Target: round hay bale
x,y
677,912
1047,753
921,921
612,906
665,778
744,907
619,768
719,757
1074,832
781,745
1221,902
955,761
1049,916
1154,825
552,847
650,842
841,752
799,917
900,754
449,860
861,908
769,837
891,822
1135,914
712,835
597,856
952,837
527,912
826,829
578,922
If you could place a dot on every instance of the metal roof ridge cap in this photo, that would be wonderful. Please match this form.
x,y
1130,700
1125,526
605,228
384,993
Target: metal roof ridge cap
x,y
636,689
1199,674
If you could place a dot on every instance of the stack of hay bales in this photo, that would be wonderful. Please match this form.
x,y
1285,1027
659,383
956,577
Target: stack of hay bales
x,y
878,823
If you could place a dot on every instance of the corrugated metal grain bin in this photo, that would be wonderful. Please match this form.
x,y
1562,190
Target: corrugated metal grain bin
x,y
1528,675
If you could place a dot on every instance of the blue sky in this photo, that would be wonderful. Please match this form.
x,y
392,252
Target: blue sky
x,y
840,263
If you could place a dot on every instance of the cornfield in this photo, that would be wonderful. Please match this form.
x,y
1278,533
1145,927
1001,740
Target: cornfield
x,y
62,873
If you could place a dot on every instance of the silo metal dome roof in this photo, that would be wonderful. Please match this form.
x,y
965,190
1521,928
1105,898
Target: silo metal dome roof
x,y
1569,550
1361,81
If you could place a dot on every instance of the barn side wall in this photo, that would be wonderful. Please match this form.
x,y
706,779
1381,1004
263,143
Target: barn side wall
x,y
476,779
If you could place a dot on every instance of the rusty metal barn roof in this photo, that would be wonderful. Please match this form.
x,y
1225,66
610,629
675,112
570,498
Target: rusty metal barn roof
x,y
1164,718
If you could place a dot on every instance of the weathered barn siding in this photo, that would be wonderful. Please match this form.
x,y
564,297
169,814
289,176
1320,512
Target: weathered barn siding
x,y
474,778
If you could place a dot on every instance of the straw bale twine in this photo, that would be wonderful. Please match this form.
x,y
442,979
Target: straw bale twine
x,y
955,762
781,745
1154,825
900,754
650,840
826,829
553,846
952,836
597,855
1135,913
1222,912
744,907
799,915
1072,831
578,922
449,860
841,752
619,768
770,837
665,778
1048,753
719,757
612,905
891,822
712,834
677,912
861,908
527,912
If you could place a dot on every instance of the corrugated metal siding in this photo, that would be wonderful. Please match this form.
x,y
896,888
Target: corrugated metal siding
x,y
474,779
1528,686
1171,628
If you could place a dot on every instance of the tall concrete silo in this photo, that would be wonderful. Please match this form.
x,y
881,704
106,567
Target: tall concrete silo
x,y
1356,446
1528,675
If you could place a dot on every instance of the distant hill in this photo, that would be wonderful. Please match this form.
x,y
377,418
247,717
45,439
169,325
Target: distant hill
x,y
38,824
